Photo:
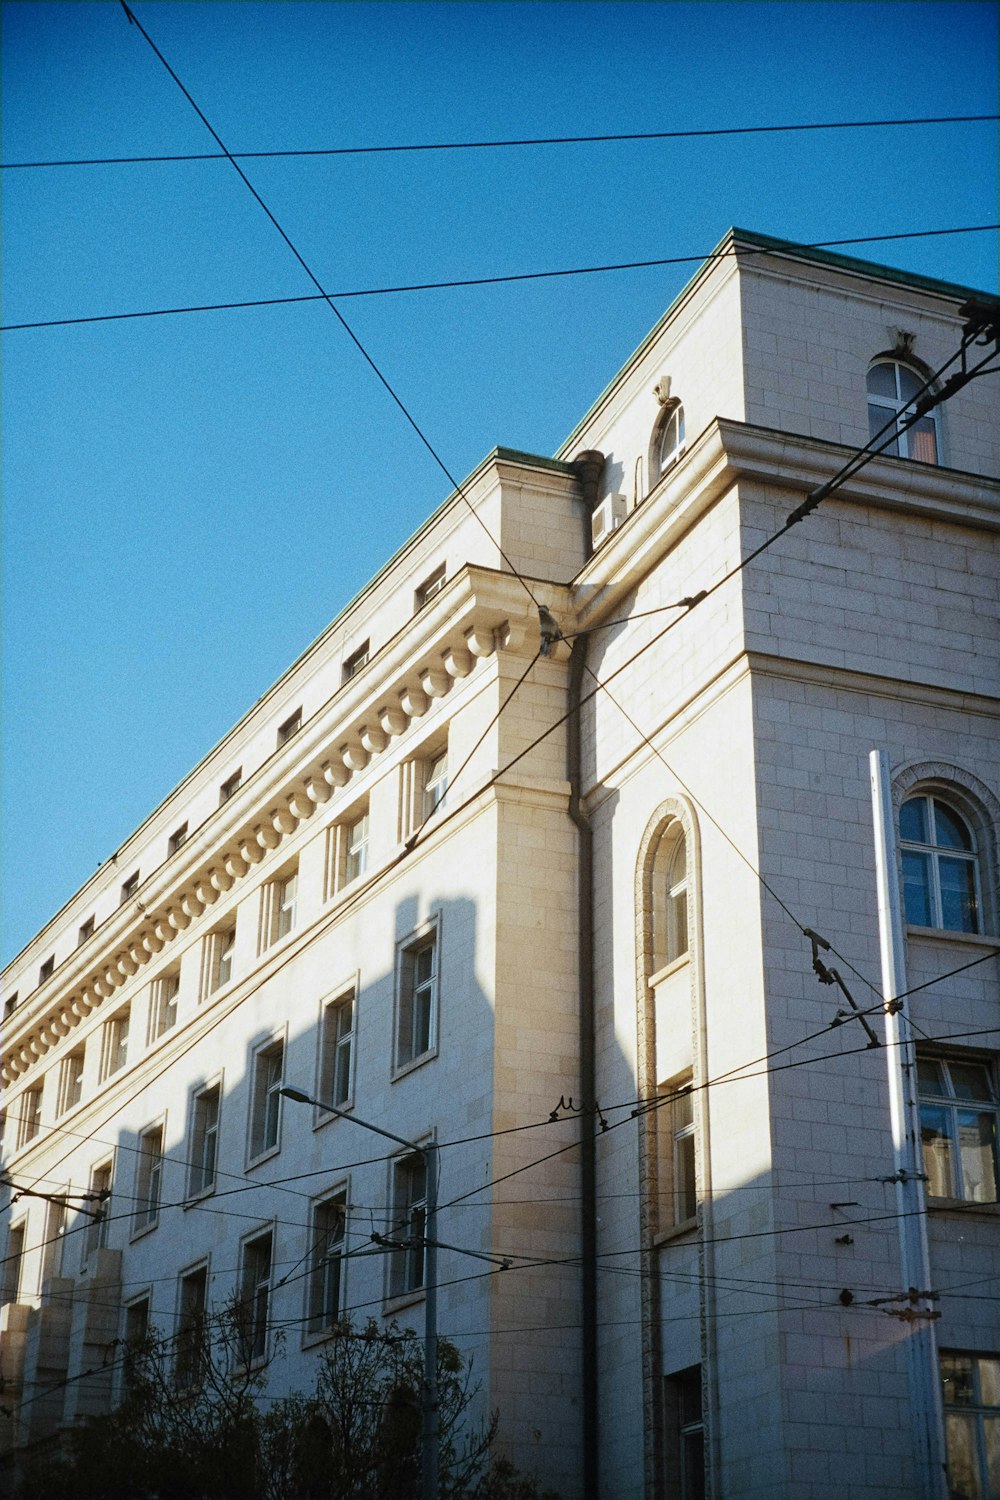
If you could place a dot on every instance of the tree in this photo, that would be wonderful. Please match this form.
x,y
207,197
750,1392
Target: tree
x,y
208,1435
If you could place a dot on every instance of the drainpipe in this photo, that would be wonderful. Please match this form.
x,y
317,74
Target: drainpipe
x,y
588,467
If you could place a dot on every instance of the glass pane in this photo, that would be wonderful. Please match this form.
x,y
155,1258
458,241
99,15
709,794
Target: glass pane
x,y
921,441
958,895
913,820
937,1151
685,1191
991,1442
951,830
971,1080
917,889
909,385
989,1381
931,1076
956,1380
963,1475
977,1149
878,416
882,381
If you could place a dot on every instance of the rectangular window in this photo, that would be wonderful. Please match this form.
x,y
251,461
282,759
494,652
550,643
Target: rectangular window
x,y
676,1153
959,1106
970,1386
191,1328
31,1115
11,1271
265,1121
47,968
114,1054
86,930
289,728
426,591
326,1272
356,848
685,1432
356,660
129,887
71,1080
423,786
435,782
409,1212
149,1178
10,1005
416,1016
163,1004
231,785
55,1233
337,1062
255,1296
177,838
136,1333
204,1140
99,1211
218,959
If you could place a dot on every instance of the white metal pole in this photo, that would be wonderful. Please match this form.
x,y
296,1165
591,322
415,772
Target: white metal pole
x,y
911,1200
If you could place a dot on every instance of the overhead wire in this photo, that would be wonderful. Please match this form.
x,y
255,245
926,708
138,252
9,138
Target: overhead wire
x,y
472,281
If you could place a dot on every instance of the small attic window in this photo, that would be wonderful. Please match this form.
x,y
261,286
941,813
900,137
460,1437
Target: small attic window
x,y
670,442
430,586
289,728
357,659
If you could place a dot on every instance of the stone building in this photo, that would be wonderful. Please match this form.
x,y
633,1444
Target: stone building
x,y
525,856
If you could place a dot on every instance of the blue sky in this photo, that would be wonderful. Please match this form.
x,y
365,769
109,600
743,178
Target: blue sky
x,y
189,500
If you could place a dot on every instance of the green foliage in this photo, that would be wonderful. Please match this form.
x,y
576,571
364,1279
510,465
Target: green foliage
x,y
357,1436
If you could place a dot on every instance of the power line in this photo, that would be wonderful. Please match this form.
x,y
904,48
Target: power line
x,y
504,144
383,380
432,286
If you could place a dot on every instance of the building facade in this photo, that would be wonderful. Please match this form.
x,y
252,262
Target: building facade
x,y
525,856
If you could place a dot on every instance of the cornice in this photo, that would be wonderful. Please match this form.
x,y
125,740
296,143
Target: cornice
x,y
727,452
479,611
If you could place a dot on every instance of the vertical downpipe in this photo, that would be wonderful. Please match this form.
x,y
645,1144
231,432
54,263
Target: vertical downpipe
x,y
588,466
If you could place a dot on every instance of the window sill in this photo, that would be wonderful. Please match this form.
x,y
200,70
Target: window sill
x,y
325,1116
142,1231
193,1199
402,1300
949,935
401,1070
675,1232
324,1335
962,1208
257,1161
672,968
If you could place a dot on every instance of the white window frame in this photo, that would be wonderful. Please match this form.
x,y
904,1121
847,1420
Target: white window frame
x,y
407,1268
951,1104
12,1270
337,1049
356,848
149,1178
677,1153
230,786
177,840
71,1076
279,907
29,1107
972,1414
670,441
328,1250
203,1138
163,1000
356,661
198,1329
266,1110
289,728
129,887
217,958
888,406
431,586
98,1220
114,1043
409,990
422,792
933,853
255,1291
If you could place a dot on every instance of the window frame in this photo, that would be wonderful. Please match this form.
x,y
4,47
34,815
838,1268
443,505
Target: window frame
x,y
12,1265
149,1179
231,785
46,969
677,1155
217,958
933,853
895,406
406,1269
407,985
129,887
253,1294
190,1341
953,1104
71,1076
97,1228
198,1184
429,588
356,661
317,1325
130,1337
289,728
265,1097
331,1049
177,839
30,1122
164,995
86,930
978,1411
671,420
114,1043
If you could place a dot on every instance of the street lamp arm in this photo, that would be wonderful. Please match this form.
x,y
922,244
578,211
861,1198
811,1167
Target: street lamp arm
x,y
348,1114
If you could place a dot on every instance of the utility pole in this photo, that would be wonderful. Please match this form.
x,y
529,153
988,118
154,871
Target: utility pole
x,y
911,1200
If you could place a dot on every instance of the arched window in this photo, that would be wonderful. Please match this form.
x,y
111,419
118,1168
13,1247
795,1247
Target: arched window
x,y
891,389
940,866
671,443
670,899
